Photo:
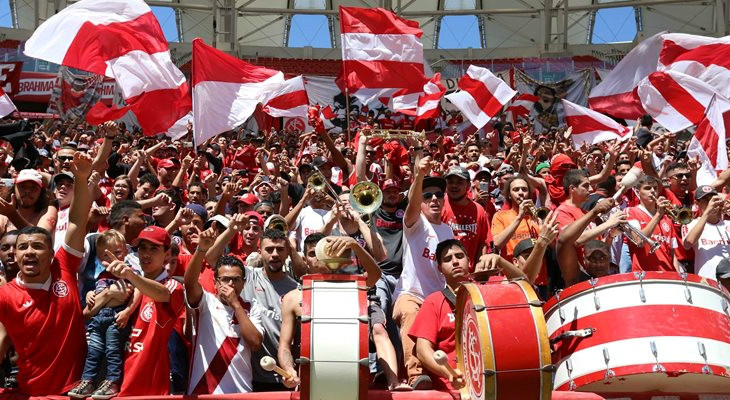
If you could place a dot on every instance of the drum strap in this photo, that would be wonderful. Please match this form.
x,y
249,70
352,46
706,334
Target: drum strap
x,y
449,294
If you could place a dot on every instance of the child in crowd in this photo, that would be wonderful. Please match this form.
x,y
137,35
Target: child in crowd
x,y
108,307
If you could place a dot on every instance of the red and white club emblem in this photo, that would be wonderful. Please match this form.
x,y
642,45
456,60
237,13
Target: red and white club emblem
x,y
147,311
295,124
473,358
60,289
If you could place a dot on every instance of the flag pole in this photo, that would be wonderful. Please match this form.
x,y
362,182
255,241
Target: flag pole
x,y
344,81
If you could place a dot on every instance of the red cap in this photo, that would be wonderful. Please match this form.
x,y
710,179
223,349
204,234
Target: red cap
x,y
248,198
389,183
154,234
515,136
255,216
166,163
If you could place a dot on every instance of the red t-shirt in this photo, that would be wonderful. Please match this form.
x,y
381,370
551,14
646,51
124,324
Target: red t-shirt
x,y
661,259
45,324
147,362
470,225
435,322
386,123
568,214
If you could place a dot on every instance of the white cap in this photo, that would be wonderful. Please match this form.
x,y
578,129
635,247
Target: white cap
x,y
221,219
29,175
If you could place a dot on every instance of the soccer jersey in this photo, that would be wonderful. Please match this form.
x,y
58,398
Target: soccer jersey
x,y
712,247
436,322
45,324
661,259
147,360
221,362
470,226
420,276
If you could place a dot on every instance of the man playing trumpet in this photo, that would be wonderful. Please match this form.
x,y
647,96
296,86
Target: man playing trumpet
x,y
708,235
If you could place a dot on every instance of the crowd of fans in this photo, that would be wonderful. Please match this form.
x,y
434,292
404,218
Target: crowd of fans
x,y
136,265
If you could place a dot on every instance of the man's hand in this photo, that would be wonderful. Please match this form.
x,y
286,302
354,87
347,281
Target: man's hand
x,y
206,239
90,298
81,167
457,380
338,245
122,318
549,228
239,222
229,295
110,128
118,267
662,205
604,205
616,219
525,208
425,165
716,203
184,216
162,200
487,262
292,382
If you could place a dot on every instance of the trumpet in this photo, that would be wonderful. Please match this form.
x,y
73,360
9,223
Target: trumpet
x,y
539,213
278,222
401,134
319,183
628,229
678,215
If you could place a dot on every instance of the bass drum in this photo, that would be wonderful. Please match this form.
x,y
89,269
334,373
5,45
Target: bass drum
x,y
502,345
645,332
334,354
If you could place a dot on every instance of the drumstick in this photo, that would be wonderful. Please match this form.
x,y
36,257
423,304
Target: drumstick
x,y
441,359
269,364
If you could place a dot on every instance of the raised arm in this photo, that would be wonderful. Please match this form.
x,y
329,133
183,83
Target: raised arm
x,y
150,288
78,215
193,289
415,193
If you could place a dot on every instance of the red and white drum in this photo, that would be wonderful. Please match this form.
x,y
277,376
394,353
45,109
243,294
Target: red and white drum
x,y
501,345
334,350
650,332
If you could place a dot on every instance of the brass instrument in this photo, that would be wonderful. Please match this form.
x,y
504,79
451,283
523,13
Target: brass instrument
x,y
277,222
319,183
366,197
401,134
628,229
539,213
678,215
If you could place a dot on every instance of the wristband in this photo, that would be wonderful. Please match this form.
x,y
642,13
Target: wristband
x,y
198,249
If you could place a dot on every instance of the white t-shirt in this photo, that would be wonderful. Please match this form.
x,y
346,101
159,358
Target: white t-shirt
x,y
217,331
712,246
310,220
59,236
420,276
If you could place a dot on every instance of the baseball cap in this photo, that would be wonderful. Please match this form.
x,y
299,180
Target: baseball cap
x,y
434,181
723,269
704,190
305,166
154,234
221,219
62,175
198,209
461,172
523,246
319,162
255,216
44,153
480,171
388,184
542,166
505,169
29,175
167,163
248,198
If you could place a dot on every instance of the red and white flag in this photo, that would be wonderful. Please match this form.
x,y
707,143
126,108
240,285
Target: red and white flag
x,y
675,100
290,100
482,95
381,53
521,107
423,104
6,105
708,143
592,127
226,90
705,58
120,39
616,94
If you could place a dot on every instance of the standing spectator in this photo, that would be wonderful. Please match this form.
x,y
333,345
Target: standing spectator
x,y
708,235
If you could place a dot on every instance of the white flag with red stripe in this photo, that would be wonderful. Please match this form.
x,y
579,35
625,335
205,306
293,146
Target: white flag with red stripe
x,y
616,94
708,143
121,39
482,95
290,100
592,127
521,106
423,104
226,90
381,53
705,58
675,100
6,105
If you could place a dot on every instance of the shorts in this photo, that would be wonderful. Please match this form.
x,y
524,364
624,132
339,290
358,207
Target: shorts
x,y
376,315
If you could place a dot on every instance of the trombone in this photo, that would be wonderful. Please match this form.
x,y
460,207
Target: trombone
x,y
678,215
628,229
365,198
400,134
319,183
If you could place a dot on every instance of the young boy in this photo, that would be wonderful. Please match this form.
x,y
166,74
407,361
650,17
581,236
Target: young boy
x,y
109,310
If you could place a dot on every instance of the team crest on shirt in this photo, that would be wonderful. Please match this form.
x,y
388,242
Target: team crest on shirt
x,y
399,213
60,288
147,311
665,226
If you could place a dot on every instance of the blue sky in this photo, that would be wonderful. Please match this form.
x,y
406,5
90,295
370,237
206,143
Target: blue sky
x,y
612,25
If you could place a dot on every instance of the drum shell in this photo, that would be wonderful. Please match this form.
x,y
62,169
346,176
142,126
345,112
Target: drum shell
x,y
507,336
643,324
319,337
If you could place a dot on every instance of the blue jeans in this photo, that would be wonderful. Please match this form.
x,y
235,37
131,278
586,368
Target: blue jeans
x,y
105,339
625,263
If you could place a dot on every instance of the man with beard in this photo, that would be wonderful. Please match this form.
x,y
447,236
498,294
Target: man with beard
x,y
43,300
468,220
63,159
220,317
8,264
32,204
265,287
167,170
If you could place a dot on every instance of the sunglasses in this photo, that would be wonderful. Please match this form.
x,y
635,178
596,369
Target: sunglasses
x,y
65,158
372,152
429,195
681,176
